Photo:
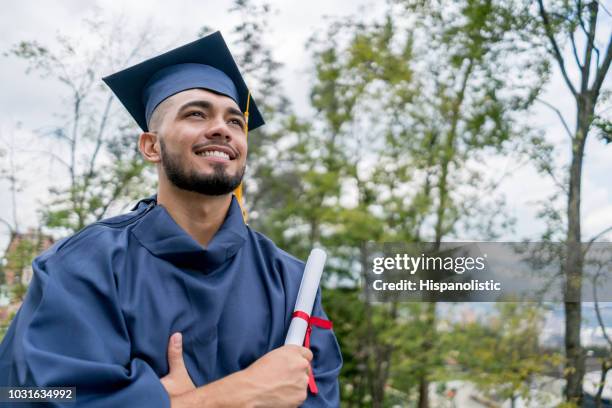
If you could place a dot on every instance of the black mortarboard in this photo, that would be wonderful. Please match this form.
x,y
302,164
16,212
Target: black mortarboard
x,y
205,63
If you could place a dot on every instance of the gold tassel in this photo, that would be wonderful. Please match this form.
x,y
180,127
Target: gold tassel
x,y
238,190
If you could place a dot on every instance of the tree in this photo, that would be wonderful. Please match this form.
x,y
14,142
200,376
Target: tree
x,y
10,174
94,144
508,358
460,110
18,260
560,24
438,104
601,265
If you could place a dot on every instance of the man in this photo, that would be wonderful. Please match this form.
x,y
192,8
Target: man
x,y
178,303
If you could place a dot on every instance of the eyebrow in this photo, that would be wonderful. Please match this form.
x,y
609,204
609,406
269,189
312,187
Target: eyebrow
x,y
207,105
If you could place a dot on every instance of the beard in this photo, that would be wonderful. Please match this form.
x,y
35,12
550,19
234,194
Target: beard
x,y
215,184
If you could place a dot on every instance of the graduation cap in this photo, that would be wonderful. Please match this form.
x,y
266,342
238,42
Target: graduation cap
x,y
205,63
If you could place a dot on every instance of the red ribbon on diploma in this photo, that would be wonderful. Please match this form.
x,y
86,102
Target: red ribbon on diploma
x,y
317,322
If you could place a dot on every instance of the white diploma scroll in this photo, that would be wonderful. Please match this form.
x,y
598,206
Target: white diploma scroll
x,y
306,296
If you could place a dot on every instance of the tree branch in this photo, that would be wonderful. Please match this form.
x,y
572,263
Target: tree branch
x,y
580,20
8,225
103,124
99,137
604,8
597,311
555,180
590,45
605,365
583,27
603,70
575,50
558,112
57,133
605,368
555,47
596,237
53,156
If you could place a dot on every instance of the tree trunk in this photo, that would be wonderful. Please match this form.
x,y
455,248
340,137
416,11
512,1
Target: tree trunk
x,y
370,340
574,259
430,311
443,194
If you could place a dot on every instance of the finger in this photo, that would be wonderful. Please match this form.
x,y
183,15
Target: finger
x,y
301,350
175,353
306,353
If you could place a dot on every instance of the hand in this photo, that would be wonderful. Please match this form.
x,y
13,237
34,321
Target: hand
x,y
280,378
177,381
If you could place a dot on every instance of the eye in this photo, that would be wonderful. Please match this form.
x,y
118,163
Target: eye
x,y
236,122
196,114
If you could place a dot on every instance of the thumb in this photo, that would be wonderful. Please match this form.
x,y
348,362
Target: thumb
x,y
177,381
175,355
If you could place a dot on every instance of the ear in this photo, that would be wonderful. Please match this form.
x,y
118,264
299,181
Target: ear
x,y
148,144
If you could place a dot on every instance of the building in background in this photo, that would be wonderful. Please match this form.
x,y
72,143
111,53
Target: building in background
x,y
18,257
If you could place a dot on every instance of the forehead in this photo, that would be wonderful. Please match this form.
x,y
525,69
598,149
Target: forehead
x,y
190,95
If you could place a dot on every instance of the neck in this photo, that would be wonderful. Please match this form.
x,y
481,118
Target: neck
x,y
199,215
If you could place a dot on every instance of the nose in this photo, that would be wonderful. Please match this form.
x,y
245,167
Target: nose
x,y
219,130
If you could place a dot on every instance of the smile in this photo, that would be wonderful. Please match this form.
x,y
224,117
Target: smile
x,y
215,154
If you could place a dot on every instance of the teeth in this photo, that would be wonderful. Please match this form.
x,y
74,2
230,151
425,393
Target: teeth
x,y
214,153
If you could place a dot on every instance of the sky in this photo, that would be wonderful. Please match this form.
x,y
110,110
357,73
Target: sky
x,y
28,102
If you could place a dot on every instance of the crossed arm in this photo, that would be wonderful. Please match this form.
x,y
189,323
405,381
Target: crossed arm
x,y
278,379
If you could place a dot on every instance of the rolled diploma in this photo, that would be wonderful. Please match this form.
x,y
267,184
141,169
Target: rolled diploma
x,y
306,295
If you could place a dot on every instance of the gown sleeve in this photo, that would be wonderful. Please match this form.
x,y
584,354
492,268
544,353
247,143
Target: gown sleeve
x,y
70,332
326,363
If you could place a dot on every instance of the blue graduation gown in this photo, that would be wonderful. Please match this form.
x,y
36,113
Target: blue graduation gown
x,y
103,303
